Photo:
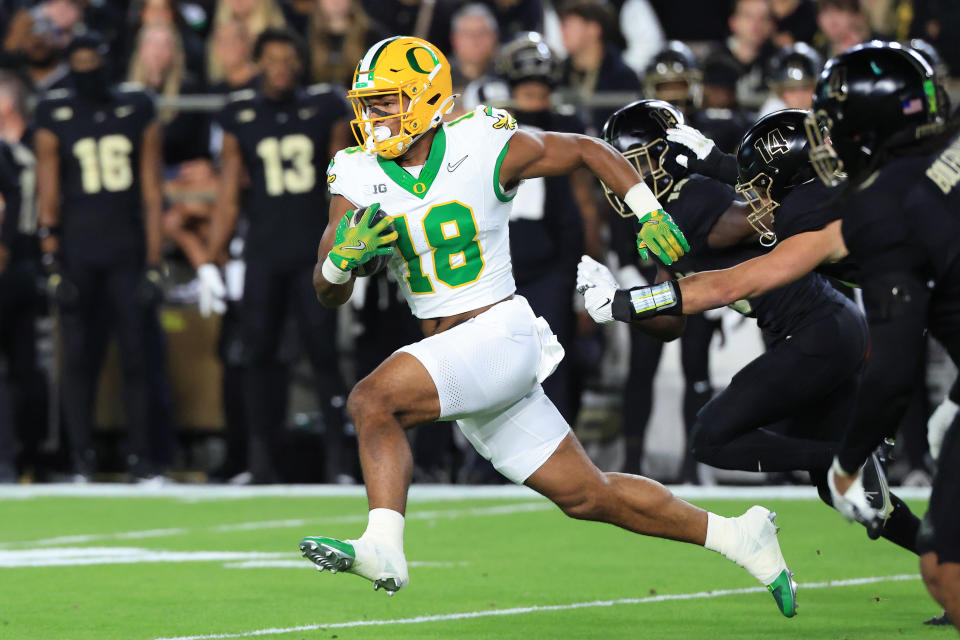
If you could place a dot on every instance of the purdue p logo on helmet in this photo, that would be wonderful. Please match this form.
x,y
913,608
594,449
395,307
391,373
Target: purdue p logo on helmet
x,y
418,74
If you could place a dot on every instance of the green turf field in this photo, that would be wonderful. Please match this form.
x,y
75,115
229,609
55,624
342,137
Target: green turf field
x,y
205,567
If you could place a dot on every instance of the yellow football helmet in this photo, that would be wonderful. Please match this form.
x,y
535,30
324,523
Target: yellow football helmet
x,y
410,68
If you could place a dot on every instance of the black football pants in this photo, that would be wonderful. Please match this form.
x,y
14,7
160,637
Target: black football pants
x,y
787,409
23,419
270,295
106,300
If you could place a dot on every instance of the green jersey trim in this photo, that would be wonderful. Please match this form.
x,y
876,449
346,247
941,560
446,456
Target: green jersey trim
x,y
497,189
419,186
465,116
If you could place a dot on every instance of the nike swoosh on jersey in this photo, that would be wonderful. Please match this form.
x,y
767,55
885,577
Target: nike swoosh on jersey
x,y
453,167
360,246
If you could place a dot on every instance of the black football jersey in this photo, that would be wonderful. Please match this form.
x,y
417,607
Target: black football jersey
x,y
906,217
696,203
546,227
18,189
99,150
285,148
811,207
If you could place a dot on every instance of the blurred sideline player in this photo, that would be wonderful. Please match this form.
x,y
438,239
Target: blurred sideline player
x,y
99,206
792,76
282,136
880,105
449,187
789,408
23,391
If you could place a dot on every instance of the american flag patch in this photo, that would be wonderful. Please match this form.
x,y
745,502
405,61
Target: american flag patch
x,y
912,106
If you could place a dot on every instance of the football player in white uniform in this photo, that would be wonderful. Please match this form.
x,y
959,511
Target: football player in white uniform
x,y
447,189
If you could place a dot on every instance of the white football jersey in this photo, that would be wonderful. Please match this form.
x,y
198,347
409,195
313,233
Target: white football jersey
x,y
453,251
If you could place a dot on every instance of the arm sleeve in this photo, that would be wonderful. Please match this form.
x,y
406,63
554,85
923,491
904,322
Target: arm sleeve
x,y
720,166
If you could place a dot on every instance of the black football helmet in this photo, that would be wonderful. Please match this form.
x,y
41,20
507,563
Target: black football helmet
x,y
639,132
797,65
527,58
874,95
773,158
675,63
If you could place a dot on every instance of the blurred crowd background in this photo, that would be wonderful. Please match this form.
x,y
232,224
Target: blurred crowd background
x,y
724,63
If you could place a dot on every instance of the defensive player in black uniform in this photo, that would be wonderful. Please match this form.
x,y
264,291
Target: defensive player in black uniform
x,y
283,136
805,384
881,107
22,413
99,205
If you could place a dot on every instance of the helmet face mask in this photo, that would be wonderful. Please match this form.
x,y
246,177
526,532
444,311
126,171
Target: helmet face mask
x,y
762,205
418,75
638,132
648,161
824,158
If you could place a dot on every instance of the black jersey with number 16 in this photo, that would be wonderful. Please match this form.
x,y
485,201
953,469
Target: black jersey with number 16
x,y
99,147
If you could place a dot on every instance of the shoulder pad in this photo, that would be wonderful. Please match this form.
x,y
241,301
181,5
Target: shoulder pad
x,y
353,149
130,87
243,94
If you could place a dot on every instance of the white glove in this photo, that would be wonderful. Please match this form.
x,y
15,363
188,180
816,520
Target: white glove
x,y
690,138
597,285
212,290
938,425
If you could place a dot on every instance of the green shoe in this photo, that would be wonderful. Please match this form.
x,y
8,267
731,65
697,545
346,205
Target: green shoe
x,y
328,553
784,590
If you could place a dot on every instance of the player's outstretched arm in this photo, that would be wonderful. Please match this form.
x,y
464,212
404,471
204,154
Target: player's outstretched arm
x,y
332,289
789,261
546,153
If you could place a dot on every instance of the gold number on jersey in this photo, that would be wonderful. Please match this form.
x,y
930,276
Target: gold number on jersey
x,y
297,149
451,231
104,163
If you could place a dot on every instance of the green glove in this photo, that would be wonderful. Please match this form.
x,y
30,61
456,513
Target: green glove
x,y
355,245
660,234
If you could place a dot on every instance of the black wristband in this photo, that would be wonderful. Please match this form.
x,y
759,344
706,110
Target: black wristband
x,y
639,303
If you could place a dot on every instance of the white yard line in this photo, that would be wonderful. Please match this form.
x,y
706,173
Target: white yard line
x,y
700,595
303,564
421,493
360,518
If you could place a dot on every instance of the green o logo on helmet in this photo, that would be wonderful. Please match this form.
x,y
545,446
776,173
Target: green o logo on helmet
x,y
415,64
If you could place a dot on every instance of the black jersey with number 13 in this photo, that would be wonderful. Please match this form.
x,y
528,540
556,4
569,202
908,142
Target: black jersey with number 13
x,y
285,147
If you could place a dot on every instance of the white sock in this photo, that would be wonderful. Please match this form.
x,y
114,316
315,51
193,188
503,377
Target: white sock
x,y
385,526
723,535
